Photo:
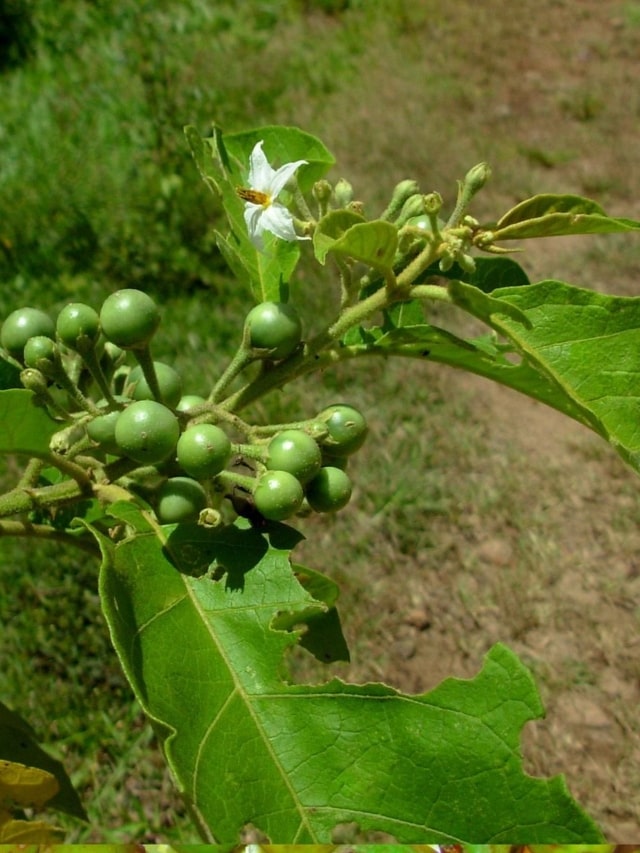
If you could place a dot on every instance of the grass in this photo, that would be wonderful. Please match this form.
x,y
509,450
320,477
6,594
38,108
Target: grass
x,y
458,512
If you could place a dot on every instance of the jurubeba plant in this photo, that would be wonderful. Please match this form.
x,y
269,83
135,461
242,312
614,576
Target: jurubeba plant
x,y
183,498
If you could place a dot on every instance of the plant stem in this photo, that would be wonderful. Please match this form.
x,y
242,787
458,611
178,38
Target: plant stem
x,y
230,478
430,291
241,359
145,361
395,290
43,531
31,473
22,500
93,366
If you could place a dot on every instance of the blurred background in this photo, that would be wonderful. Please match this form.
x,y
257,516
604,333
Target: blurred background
x,y
479,516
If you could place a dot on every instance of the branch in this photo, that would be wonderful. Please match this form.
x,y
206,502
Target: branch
x,y
43,531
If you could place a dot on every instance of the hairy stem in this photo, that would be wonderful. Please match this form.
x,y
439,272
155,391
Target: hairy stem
x,y
49,534
22,500
395,290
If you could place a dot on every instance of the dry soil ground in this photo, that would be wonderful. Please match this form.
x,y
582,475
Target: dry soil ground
x,y
538,546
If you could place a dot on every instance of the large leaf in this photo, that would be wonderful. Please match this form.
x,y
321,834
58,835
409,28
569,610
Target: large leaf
x,y
25,426
489,274
574,349
552,215
482,305
267,272
588,345
283,145
194,629
484,356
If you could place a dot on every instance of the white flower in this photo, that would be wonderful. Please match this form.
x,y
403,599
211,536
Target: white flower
x,y
261,210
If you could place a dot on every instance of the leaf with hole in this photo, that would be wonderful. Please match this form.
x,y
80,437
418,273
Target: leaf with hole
x,y
194,629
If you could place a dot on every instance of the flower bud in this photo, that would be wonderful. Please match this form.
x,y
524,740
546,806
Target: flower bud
x,y
34,381
432,203
322,191
343,193
467,262
403,191
476,178
413,206
356,207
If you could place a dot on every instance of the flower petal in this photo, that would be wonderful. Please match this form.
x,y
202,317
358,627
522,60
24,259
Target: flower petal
x,y
277,219
280,178
253,214
261,175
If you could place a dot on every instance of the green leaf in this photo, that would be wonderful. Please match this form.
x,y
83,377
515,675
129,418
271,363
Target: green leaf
x,y
282,145
489,275
25,426
373,243
202,154
547,203
481,305
588,345
9,375
332,228
323,636
485,356
18,744
410,313
203,656
551,215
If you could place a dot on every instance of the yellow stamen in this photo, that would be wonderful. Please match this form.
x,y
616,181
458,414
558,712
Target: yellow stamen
x,y
253,196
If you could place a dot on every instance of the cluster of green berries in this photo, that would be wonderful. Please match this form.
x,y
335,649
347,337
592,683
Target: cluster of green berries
x,y
195,452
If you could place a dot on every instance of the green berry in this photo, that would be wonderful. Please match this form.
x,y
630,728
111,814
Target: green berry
x,y
180,499
102,430
78,326
169,382
203,450
274,329
329,490
41,353
147,432
278,495
296,452
23,324
189,401
347,429
129,318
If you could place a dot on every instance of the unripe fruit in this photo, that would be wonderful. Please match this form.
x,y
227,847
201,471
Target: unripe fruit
x,y
189,401
424,223
203,450
347,429
78,326
278,495
23,324
129,318
169,382
180,499
147,432
102,430
329,490
296,452
273,328
41,353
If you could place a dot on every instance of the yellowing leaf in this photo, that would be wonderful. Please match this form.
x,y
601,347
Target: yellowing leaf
x,y
26,786
26,831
